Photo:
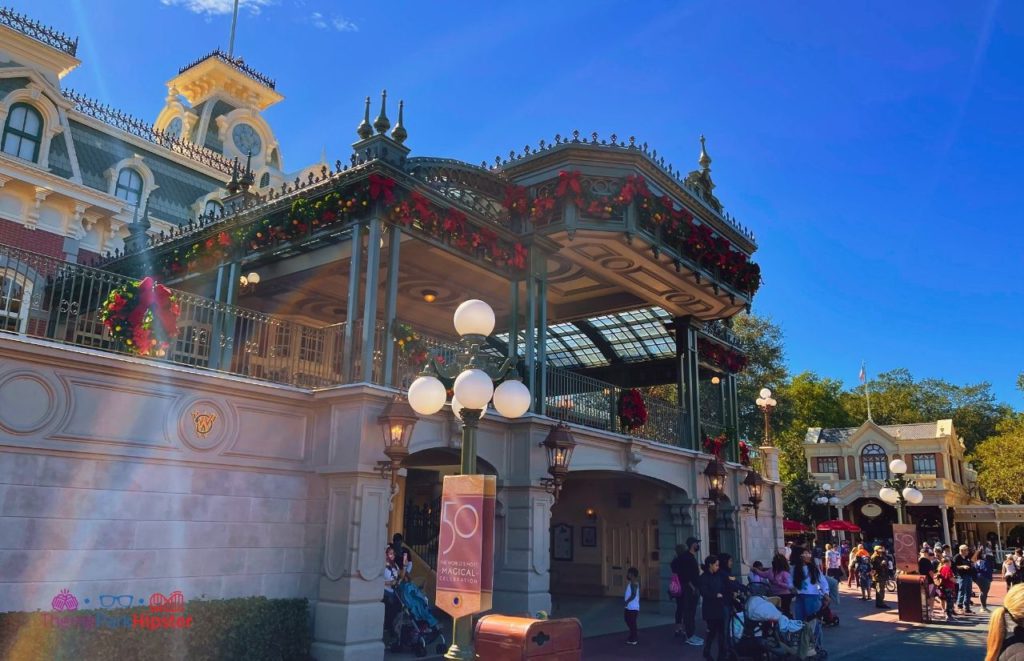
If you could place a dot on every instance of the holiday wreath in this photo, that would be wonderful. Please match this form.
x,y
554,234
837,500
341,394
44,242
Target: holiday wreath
x,y
142,314
632,409
715,445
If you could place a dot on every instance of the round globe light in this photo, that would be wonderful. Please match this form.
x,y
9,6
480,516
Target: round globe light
x,y
474,389
889,495
826,487
512,398
912,495
765,393
457,409
771,401
254,278
760,402
821,500
474,317
427,395
898,466
833,501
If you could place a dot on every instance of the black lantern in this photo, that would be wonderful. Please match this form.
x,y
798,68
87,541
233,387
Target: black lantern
x,y
715,474
755,485
396,423
559,445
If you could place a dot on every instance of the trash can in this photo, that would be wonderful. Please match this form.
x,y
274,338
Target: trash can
x,y
912,598
505,638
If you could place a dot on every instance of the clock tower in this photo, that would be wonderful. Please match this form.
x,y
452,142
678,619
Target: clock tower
x,y
217,102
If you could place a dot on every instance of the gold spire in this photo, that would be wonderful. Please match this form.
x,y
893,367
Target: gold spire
x,y
364,130
704,160
381,123
399,134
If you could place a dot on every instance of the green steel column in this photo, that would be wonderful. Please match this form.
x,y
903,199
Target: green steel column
x,y
370,300
542,334
391,303
355,274
530,335
689,379
217,319
513,324
229,320
462,635
732,412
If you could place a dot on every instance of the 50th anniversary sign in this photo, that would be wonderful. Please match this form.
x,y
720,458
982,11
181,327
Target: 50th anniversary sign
x,y
465,562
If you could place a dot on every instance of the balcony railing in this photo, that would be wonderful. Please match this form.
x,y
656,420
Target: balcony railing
x,y
47,298
38,31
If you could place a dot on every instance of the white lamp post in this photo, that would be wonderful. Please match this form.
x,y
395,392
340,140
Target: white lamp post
x,y
767,404
898,491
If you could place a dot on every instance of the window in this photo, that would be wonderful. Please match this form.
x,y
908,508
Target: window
x,y
13,297
924,464
311,345
828,465
873,462
213,207
265,180
23,132
129,186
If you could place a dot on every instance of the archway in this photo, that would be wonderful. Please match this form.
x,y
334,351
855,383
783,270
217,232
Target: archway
x,y
604,523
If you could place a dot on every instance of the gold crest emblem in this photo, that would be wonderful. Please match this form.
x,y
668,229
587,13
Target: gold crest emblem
x,y
204,422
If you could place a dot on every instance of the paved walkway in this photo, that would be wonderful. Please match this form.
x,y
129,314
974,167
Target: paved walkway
x,y
864,633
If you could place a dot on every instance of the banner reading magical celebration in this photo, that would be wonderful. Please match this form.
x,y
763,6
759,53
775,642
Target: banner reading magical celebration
x,y
465,553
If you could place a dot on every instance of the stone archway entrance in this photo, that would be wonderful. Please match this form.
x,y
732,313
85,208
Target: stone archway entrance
x,y
604,523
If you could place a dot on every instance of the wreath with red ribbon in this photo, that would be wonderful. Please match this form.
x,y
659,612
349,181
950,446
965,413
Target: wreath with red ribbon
x,y
715,445
143,315
744,453
632,409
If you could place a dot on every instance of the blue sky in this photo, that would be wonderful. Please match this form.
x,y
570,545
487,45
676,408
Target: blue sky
x,y
875,148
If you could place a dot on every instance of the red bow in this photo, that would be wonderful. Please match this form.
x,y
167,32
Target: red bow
x,y
568,181
381,186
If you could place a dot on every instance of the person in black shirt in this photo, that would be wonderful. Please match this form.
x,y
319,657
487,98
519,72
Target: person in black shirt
x,y
713,591
964,569
686,567
927,569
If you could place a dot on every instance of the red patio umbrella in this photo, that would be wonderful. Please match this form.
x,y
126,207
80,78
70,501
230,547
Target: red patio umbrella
x,y
838,525
789,525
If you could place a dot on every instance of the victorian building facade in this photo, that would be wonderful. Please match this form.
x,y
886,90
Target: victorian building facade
x,y
242,459
854,461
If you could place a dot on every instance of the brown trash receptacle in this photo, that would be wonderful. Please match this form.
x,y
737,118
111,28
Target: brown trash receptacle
x,y
505,638
912,598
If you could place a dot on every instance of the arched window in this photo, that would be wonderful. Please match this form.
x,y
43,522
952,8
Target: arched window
x,y
23,132
15,294
265,180
129,186
873,462
213,207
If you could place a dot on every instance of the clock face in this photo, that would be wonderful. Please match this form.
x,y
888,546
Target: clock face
x,y
246,139
173,129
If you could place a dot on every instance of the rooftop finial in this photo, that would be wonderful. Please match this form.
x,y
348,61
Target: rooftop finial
x,y
232,185
704,160
381,123
399,134
364,130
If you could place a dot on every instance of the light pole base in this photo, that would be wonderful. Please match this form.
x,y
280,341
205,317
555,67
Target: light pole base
x,y
462,641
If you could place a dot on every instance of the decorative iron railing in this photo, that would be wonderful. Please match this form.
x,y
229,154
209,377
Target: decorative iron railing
x,y
47,298
237,62
718,330
38,31
141,129
422,527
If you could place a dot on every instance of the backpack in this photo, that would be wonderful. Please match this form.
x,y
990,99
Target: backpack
x,y
675,588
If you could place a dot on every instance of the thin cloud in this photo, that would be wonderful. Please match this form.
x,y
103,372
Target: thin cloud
x,y
217,7
338,23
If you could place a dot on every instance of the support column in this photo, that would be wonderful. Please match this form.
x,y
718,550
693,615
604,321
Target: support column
x,y
733,416
944,511
370,298
349,613
355,274
536,328
522,581
222,327
688,380
391,304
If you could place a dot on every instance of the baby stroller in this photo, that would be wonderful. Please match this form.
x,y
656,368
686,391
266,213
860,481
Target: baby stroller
x,y
415,626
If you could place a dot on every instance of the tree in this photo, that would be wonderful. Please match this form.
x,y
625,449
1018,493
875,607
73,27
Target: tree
x,y
808,400
798,499
761,340
1000,461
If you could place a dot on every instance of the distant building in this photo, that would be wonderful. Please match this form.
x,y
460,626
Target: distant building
x,y
855,461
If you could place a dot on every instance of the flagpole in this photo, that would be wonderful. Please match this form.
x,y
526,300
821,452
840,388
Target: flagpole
x,y
234,21
867,391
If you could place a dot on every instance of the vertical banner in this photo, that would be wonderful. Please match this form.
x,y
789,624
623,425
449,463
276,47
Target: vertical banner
x,y
905,547
465,552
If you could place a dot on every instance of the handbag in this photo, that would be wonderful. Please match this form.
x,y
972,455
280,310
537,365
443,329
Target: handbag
x,y
675,588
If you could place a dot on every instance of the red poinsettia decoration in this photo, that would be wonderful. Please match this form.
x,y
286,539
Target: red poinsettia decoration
x,y
744,453
382,187
632,409
716,445
143,315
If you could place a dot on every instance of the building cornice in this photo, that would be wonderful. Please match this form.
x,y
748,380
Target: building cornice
x,y
22,171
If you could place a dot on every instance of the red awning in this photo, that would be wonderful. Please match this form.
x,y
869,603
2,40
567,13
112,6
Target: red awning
x,y
838,525
789,525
